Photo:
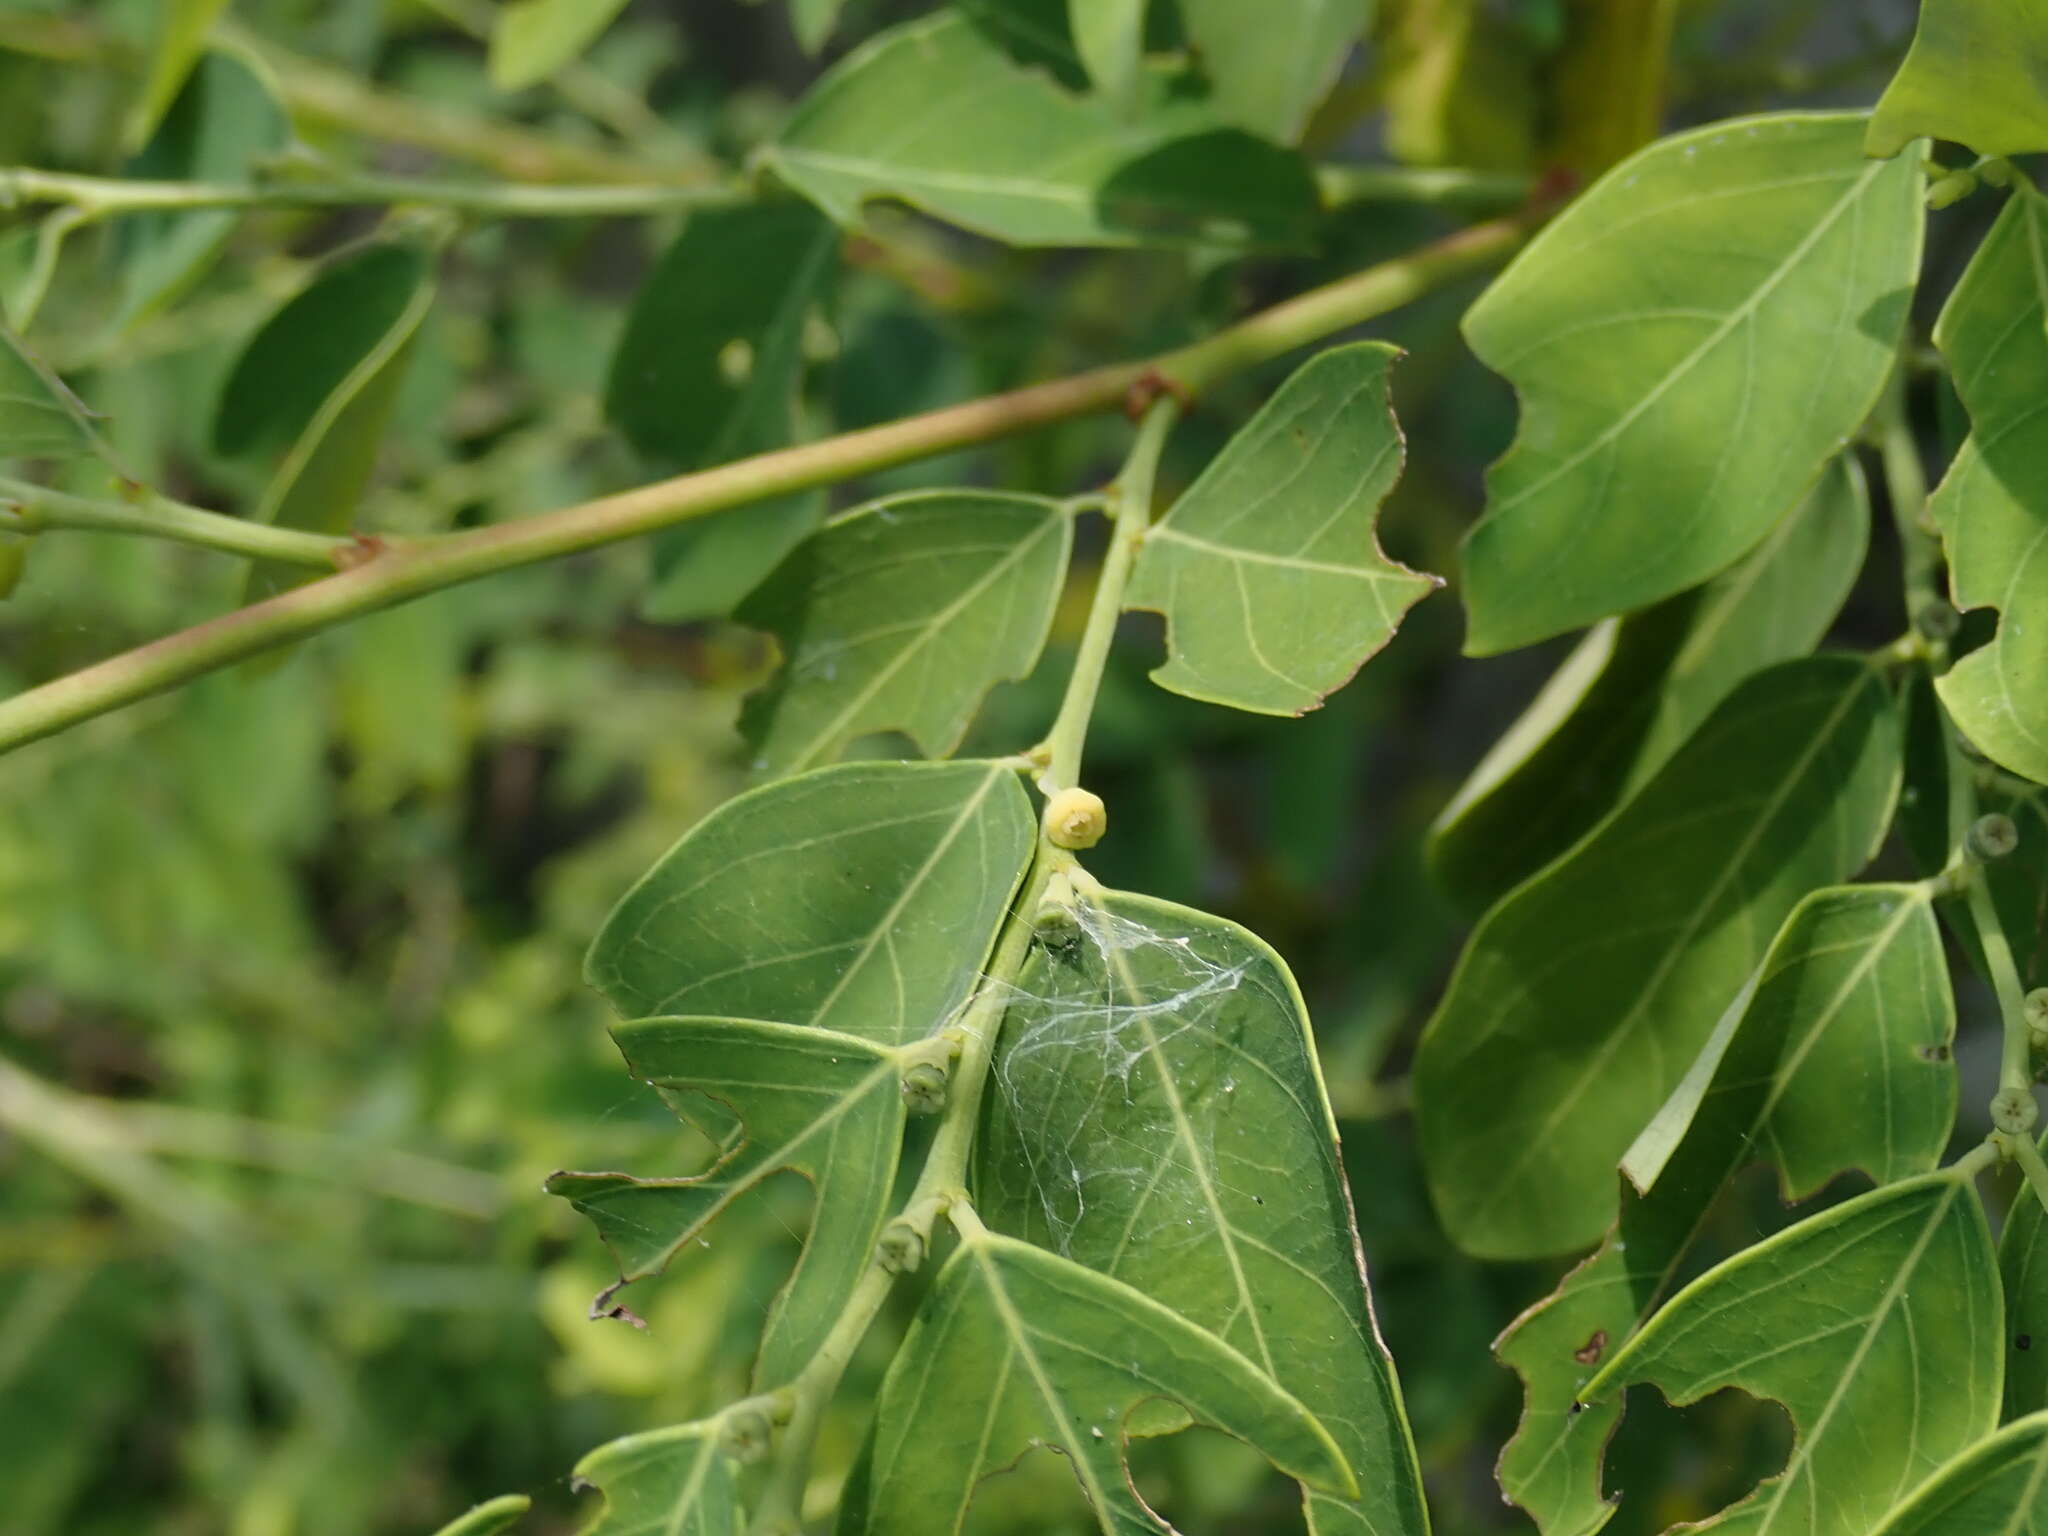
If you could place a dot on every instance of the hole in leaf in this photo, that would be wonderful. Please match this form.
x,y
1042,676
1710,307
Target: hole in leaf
x,y
1671,1465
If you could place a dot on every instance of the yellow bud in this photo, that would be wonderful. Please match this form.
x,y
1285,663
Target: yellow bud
x,y
1075,818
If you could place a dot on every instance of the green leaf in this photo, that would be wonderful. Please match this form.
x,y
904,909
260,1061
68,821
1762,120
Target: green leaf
x,y
317,383
901,615
1876,1325
859,898
1016,1348
1268,571
222,125
1582,998
1998,1485
1856,975
2023,1266
666,1482
180,38
1692,341
1003,150
1270,65
40,418
709,368
1634,689
1109,35
489,1517
813,21
815,1102
532,39
1158,1116
1992,504
1977,74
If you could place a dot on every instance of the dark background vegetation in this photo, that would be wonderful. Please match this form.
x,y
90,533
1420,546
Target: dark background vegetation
x,y
289,960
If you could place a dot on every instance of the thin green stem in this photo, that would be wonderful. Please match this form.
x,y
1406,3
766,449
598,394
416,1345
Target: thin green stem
x,y
105,196
940,1184
1435,186
2016,1072
944,1177
26,508
1906,487
779,1509
2016,1060
1133,496
412,568
2028,1156
340,99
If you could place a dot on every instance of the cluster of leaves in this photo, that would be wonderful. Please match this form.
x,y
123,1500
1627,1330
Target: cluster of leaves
x,y
1131,1215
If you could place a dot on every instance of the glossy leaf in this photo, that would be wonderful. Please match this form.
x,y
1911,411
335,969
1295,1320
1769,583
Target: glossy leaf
x,y
1855,975
2023,1266
859,898
710,368
1977,73
815,1102
1993,503
222,125
1999,1485
317,384
901,615
1875,1323
181,31
1004,150
666,1482
1268,570
1158,1115
40,418
1692,341
1016,1347
1583,997
1270,65
1634,689
1109,35
532,39
489,1517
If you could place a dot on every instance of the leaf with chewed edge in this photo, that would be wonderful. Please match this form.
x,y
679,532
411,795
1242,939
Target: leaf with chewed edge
x,y
1691,341
1856,973
810,1101
901,615
1267,568
665,1482
1875,1323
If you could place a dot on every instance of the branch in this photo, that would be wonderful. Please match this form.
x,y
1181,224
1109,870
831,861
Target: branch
x,y
404,569
102,196
26,508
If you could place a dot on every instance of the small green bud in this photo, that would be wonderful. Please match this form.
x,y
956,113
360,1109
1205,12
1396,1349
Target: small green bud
x,y
1951,189
1938,621
1993,171
924,1088
1992,837
745,1433
901,1249
2014,1111
1075,818
2034,1009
